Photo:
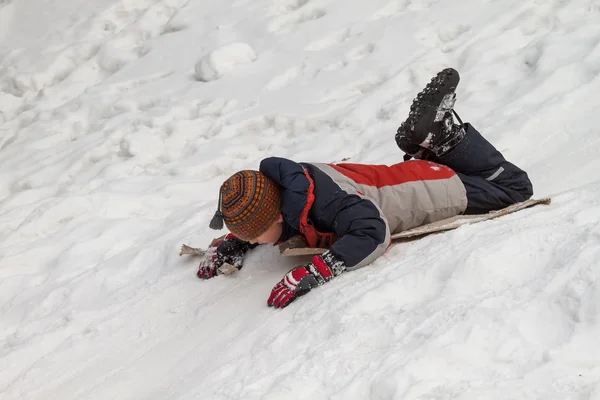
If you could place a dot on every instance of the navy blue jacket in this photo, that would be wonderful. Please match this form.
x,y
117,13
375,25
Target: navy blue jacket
x,y
356,223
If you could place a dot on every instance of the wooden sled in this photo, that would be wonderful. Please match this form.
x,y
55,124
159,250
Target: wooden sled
x,y
296,247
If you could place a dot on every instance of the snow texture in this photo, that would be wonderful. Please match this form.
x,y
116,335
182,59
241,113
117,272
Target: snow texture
x,y
222,60
112,152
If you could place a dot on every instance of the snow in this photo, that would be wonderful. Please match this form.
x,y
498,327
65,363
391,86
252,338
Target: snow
x,y
222,60
113,146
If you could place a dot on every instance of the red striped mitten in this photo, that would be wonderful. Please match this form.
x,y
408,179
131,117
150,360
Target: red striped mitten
x,y
303,279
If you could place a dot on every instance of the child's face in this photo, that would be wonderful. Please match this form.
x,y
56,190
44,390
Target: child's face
x,y
271,235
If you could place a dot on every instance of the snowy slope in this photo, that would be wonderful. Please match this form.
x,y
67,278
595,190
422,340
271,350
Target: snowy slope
x,y
120,119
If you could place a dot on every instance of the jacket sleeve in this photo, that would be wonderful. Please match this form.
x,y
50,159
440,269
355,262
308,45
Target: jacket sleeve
x,y
361,230
363,235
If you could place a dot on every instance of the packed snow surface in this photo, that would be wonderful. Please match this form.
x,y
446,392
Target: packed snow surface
x,y
119,119
222,60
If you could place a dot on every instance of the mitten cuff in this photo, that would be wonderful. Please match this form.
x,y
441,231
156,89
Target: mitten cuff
x,y
336,265
325,267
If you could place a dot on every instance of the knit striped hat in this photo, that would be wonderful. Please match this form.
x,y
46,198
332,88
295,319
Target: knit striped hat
x,y
249,203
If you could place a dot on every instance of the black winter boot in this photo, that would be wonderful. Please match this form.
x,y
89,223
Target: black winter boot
x,y
412,150
430,125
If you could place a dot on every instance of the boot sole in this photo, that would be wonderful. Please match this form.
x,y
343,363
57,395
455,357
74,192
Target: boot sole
x,y
432,103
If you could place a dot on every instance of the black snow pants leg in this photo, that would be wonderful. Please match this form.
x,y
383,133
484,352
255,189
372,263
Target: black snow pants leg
x,y
492,182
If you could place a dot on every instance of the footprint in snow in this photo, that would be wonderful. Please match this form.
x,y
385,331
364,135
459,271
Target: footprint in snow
x,y
391,9
284,79
354,55
334,39
360,52
357,88
416,5
285,7
291,20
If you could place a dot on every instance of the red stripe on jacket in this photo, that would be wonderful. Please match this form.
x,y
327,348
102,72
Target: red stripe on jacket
x,y
384,175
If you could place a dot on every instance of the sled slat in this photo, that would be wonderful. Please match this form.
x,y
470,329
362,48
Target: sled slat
x,y
298,248
459,220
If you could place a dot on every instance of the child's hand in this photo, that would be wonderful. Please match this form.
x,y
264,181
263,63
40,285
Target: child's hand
x,y
294,284
303,279
229,250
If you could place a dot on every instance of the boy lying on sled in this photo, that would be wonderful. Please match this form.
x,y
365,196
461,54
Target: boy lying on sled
x,y
353,209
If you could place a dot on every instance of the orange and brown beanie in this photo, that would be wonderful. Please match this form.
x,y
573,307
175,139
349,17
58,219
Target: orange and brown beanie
x,y
249,203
